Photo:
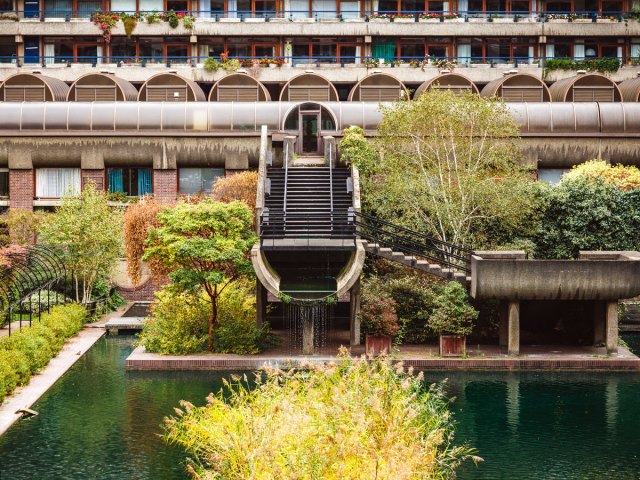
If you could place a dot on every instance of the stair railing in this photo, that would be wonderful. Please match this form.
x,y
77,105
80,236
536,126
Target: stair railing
x,y
286,181
331,184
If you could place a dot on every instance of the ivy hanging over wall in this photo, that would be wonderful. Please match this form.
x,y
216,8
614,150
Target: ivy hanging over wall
x,y
107,21
600,65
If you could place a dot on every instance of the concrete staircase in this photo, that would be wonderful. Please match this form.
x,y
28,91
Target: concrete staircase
x,y
416,263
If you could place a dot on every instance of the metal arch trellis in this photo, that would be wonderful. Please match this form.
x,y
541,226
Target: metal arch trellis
x,y
25,272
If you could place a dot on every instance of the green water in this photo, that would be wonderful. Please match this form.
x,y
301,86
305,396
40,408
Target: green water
x,y
100,422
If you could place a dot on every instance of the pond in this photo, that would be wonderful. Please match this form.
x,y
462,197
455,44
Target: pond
x,y
99,421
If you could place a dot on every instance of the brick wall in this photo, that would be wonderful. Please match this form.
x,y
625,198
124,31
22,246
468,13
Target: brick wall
x,y
95,176
165,185
21,189
144,292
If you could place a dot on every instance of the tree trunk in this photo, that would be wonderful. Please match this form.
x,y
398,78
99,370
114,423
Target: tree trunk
x,y
213,320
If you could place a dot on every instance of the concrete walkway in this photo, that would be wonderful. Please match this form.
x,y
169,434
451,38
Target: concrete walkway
x,y
25,397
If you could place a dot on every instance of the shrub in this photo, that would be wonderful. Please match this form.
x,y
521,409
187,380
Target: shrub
x,y
65,321
8,375
23,225
32,344
19,364
452,313
38,302
178,323
625,178
241,186
138,220
237,331
352,420
378,310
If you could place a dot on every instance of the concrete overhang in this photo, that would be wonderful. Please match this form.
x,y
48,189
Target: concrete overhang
x,y
593,276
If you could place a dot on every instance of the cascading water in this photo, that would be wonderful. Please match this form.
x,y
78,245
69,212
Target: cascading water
x,y
309,323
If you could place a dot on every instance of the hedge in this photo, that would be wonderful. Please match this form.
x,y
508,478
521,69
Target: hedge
x,y
28,350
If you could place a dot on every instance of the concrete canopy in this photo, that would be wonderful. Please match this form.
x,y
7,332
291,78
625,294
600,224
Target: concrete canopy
x,y
33,87
309,87
518,87
630,90
378,87
448,81
101,87
170,87
586,87
238,87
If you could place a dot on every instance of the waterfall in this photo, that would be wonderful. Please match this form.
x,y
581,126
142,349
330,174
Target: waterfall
x,y
309,323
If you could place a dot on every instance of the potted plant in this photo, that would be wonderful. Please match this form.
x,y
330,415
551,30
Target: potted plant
x,y
452,319
379,321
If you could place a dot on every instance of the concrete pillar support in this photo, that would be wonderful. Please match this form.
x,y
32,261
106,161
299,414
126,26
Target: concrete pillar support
x,y
514,328
599,323
354,309
288,149
503,317
261,303
330,152
612,327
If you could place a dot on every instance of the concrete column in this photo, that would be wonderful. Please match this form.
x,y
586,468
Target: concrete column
x,y
329,146
165,186
21,189
354,306
514,328
307,336
503,325
612,327
599,323
96,176
261,303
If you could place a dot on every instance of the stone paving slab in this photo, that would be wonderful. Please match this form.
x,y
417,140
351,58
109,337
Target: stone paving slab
x,y
418,356
25,397
125,323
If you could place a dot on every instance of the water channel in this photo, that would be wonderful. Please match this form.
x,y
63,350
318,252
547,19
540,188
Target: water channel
x,y
100,422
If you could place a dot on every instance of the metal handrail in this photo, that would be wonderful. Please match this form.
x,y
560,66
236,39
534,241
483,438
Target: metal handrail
x,y
286,178
331,183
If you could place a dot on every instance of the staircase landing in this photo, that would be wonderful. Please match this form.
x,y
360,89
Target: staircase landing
x,y
308,161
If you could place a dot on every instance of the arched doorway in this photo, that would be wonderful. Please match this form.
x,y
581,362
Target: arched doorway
x,y
308,121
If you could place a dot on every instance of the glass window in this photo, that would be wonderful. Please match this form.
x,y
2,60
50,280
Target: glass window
x,y
198,180
123,49
132,182
4,182
551,175
325,53
7,50
87,53
57,182
151,49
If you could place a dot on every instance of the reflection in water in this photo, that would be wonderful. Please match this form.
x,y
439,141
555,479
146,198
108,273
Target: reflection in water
x,y
100,422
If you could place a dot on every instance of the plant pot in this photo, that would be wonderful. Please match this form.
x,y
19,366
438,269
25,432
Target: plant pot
x,y
453,345
377,344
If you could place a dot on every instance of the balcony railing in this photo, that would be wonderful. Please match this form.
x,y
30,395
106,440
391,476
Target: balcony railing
x,y
345,15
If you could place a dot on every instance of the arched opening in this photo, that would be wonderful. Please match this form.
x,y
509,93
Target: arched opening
x,y
378,87
453,82
239,87
170,87
587,87
31,87
100,87
309,87
308,121
518,87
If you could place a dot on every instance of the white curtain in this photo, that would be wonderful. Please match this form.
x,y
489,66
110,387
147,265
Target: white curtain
x,y
204,9
620,53
151,5
49,53
57,182
232,8
551,50
299,8
350,9
358,54
374,5
123,6
531,54
324,8
635,50
98,54
463,6
578,51
445,6
464,53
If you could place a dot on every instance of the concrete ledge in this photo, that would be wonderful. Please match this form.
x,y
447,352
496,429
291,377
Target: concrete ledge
x,y
625,360
25,397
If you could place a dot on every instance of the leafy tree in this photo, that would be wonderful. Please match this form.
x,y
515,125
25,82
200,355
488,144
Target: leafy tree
x,y
240,186
23,225
449,166
625,178
586,214
355,147
452,312
205,246
89,233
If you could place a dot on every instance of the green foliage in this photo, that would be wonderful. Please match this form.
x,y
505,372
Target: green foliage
x,y
452,313
354,420
633,14
211,65
601,65
449,167
38,301
23,225
89,234
178,323
189,22
378,314
624,177
205,247
28,350
583,214
355,148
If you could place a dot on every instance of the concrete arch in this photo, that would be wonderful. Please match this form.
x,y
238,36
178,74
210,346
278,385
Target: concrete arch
x,y
239,87
378,87
630,90
518,87
448,81
586,87
94,87
33,87
323,109
170,87
309,87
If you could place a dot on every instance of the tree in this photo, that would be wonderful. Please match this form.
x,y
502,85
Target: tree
x,y
89,234
205,246
240,186
449,165
452,313
625,178
23,225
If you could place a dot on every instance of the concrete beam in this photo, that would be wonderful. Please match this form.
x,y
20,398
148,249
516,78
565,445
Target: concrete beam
x,y
514,328
612,327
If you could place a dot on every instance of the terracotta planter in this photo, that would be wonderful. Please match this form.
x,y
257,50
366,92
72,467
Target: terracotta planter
x,y
377,344
453,345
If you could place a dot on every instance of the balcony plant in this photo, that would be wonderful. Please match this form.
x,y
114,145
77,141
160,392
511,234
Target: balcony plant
x,y
379,320
452,319
211,65
380,17
189,22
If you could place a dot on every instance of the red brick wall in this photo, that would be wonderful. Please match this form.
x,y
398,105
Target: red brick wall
x,y
165,185
95,176
144,292
21,189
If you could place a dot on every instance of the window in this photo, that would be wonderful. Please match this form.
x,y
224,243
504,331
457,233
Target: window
x,y
4,182
152,49
7,50
198,180
551,176
132,182
123,49
57,182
